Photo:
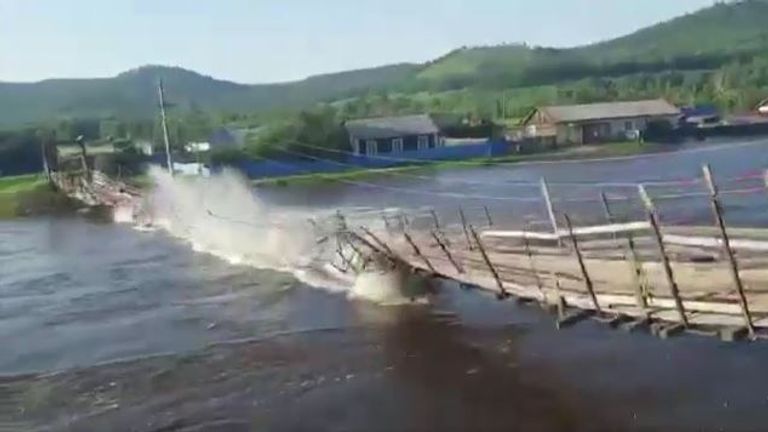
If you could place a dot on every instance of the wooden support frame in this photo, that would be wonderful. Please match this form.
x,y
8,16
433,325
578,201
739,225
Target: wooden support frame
x,y
582,265
667,266
447,253
488,215
465,228
418,253
502,291
378,241
733,265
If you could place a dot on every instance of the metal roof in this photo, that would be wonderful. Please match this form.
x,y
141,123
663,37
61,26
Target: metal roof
x,y
392,127
611,110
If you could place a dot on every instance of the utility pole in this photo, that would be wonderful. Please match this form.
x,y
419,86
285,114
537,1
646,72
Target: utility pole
x,y
169,159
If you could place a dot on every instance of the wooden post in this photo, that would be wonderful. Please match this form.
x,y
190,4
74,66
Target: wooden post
x,y
378,241
550,208
404,219
733,264
636,269
587,279
386,222
532,262
502,291
633,258
464,227
164,118
447,253
668,273
418,253
488,215
435,219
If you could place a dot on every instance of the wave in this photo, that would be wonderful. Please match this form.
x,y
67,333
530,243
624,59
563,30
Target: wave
x,y
223,216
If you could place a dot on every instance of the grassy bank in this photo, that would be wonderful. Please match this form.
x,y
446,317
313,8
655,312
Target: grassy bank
x,y
571,153
29,194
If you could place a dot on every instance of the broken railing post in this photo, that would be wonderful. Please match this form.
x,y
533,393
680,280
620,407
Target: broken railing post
x,y
464,227
435,219
488,215
387,225
447,252
733,264
587,279
418,253
378,241
653,218
636,269
502,291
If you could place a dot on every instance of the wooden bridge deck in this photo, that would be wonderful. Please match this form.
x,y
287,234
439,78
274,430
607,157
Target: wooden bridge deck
x,y
624,283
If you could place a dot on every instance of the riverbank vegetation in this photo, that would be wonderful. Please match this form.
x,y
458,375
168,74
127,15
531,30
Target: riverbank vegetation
x,y
29,195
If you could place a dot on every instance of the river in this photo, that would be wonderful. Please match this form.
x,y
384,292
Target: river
x,y
107,328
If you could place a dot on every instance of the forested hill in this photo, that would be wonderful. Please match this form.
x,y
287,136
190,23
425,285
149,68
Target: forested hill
x,y
730,37
706,39
133,94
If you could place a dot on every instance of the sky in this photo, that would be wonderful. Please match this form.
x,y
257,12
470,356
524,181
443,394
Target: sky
x,y
261,41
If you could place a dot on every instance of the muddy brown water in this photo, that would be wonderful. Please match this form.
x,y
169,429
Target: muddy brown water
x,y
106,328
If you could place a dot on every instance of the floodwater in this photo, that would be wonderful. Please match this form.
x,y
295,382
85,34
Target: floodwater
x,y
107,328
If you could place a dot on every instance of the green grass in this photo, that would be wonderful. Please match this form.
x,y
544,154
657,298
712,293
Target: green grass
x,y
23,183
21,195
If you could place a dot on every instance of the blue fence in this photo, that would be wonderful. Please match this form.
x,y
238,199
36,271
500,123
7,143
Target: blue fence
x,y
257,169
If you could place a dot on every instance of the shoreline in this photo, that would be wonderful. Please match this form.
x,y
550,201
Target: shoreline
x,y
582,154
29,195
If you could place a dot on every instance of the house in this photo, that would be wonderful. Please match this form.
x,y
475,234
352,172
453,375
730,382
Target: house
x,y
599,122
388,135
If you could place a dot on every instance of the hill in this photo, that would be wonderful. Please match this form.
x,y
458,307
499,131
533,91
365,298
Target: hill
x,y
133,94
705,39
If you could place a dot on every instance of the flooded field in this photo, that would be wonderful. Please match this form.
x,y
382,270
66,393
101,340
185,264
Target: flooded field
x,y
104,327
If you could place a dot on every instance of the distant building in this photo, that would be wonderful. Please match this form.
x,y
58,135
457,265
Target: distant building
x,y
595,123
762,107
388,135
700,115
197,147
225,137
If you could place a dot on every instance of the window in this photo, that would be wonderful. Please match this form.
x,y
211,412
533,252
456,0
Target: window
x,y
629,125
423,142
397,145
371,148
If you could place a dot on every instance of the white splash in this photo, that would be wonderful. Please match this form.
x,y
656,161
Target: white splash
x,y
222,216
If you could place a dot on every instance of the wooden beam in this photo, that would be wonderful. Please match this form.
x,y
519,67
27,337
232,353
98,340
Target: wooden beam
x,y
418,253
585,274
733,264
502,291
464,227
668,273
447,252
488,215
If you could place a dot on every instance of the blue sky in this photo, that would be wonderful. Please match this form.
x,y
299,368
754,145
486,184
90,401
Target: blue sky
x,y
256,41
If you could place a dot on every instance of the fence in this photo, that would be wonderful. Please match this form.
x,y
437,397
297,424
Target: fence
x,y
656,252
